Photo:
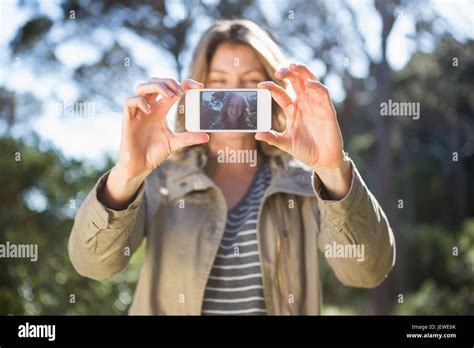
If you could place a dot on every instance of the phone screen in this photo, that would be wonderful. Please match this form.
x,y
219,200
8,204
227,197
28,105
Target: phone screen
x,y
233,110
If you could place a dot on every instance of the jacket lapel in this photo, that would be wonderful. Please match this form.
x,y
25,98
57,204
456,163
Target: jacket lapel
x,y
288,176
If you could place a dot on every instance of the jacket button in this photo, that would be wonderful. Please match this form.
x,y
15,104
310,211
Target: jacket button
x,y
183,184
285,233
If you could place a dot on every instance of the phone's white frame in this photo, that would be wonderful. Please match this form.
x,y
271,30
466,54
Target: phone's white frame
x,y
193,110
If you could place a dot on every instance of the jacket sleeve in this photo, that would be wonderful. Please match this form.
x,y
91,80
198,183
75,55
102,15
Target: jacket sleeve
x,y
103,240
355,235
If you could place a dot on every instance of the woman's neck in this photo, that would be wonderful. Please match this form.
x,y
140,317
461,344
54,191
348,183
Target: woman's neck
x,y
221,146
220,142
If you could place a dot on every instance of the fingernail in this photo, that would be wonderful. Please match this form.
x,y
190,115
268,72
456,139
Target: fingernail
x,y
148,107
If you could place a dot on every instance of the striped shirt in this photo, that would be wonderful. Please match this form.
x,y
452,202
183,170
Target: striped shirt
x,y
235,284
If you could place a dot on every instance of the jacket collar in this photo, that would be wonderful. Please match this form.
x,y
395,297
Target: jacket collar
x,y
186,174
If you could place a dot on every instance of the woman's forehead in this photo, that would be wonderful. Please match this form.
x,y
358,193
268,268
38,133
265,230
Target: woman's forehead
x,y
232,59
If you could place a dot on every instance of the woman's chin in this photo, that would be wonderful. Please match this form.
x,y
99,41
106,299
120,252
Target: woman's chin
x,y
229,135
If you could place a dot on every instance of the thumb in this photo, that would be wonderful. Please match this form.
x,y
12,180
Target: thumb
x,y
273,138
180,140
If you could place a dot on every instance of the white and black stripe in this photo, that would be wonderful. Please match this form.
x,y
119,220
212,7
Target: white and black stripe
x,y
235,284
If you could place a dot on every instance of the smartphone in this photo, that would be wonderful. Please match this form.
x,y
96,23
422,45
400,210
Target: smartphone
x,y
228,110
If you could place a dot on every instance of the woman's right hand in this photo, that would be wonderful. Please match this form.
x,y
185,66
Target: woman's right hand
x,y
146,138
147,141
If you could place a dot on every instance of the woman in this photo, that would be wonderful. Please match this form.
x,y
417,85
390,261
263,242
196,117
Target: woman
x,y
229,238
235,114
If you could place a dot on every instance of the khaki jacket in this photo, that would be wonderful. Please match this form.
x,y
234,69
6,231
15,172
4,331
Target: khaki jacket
x,y
182,215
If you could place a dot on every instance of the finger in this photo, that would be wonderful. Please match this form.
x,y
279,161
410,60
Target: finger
x,y
273,138
191,84
303,71
278,94
154,88
138,102
295,81
172,84
180,140
317,86
185,85
167,103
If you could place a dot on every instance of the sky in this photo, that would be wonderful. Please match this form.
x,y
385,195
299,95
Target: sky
x,y
91,138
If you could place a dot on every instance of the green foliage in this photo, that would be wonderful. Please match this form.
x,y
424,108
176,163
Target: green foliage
x,y
443,282
442,83
40,194
440,278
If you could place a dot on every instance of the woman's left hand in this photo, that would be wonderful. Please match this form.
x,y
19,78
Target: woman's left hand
x,y
312,135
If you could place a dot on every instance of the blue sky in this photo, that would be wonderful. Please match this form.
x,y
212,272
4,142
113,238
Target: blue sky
x,y
90,139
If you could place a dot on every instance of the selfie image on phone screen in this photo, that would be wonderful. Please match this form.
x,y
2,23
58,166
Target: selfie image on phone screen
x,y
228,110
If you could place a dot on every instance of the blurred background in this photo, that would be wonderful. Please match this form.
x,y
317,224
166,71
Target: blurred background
x,y
66,67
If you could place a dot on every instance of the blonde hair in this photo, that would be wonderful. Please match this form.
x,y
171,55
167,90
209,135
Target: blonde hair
x,y
244,32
